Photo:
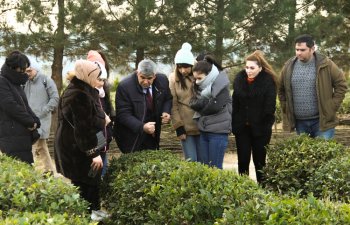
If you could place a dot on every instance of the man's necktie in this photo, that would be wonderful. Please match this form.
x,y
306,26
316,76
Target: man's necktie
x,y
149,100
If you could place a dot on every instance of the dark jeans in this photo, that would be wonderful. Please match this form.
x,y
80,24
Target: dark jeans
x,y
312,128
90,193
247,145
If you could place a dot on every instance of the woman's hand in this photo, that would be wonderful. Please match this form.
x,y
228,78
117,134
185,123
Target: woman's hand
x,y
97,163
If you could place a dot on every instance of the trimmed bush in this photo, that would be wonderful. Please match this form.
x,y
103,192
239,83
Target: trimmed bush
x,y
197,194
293,162
287,210
43,218
332,180
345,105
130,177
22,189
127,161
163,189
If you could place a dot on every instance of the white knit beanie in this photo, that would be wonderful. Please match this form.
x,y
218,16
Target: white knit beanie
x,y
184,55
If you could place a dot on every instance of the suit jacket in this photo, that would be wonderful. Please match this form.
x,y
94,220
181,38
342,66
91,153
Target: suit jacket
x,y
130,101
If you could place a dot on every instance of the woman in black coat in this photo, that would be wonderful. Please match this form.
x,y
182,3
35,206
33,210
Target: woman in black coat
x,y
254,105
80,118
18,123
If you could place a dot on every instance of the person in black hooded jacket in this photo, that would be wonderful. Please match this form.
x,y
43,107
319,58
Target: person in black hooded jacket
x,y
253,109
18,123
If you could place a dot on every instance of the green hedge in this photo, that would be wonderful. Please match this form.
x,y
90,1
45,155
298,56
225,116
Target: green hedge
x,y
23,190
156,187
345,105
332,180
273,210
293,162
25,218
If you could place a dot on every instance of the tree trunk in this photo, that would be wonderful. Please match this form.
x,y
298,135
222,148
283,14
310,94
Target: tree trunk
x,y
219,31
58,56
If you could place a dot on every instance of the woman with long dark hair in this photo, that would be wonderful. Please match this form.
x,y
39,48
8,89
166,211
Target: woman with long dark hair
x,y
180,83
212,103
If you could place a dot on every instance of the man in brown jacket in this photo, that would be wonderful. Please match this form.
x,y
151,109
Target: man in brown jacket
x,y
312,88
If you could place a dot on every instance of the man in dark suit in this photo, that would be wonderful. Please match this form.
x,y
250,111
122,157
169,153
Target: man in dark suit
x,y
143,102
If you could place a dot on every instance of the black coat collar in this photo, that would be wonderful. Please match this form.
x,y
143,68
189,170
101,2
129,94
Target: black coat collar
x,y
17,78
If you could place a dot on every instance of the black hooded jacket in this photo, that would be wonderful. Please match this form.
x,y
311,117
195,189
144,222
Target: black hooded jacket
x,y
15,116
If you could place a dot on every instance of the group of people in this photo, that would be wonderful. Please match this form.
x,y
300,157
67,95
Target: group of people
x,y
195,98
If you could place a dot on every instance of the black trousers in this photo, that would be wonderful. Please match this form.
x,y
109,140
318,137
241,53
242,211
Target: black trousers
x,y
248,145
90,193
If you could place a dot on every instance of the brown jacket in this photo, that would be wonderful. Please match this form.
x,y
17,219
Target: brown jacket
x,y
330,87
181,113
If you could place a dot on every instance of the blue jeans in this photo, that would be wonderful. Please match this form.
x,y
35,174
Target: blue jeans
x,y
105,162
212,148
190,147
312,128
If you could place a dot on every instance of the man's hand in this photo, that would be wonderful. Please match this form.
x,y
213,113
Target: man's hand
x,y
149,127
33,128
165,117
182,137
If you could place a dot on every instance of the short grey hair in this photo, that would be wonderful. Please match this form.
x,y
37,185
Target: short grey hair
x,y
147,67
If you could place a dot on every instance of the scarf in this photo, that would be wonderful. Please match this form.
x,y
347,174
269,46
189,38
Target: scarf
x,y
206,83
101,92
16,78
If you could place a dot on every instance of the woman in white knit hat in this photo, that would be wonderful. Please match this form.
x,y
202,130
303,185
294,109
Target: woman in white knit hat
x,y
180,82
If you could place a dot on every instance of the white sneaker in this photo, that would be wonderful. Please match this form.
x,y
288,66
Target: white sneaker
x,y
99,215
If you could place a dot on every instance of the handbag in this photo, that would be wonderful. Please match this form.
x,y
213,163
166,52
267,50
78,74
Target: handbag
x,y
101,140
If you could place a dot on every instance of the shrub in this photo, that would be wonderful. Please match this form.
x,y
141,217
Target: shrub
x,y
128,179
345,106
127,161
163,189
287,210
278,113
291,163
22,189
43,218
332,180
197,194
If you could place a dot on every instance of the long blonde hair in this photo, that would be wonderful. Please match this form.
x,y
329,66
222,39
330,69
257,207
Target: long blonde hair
x,y
258,56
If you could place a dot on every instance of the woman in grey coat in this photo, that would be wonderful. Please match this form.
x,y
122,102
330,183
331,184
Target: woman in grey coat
x,y
213,106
